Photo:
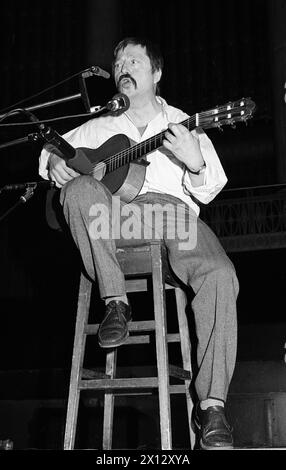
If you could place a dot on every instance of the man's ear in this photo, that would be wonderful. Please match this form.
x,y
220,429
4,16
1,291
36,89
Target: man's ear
x,y
157,76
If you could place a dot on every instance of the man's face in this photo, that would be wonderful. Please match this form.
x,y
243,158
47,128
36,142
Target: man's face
x,y
133,72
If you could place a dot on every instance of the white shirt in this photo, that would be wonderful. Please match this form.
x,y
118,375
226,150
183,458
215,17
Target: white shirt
x,y
164,174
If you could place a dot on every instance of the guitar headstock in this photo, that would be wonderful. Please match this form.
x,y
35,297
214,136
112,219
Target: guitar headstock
x,y
228,114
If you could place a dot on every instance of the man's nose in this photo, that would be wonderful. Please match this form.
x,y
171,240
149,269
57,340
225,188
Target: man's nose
x,y
124,67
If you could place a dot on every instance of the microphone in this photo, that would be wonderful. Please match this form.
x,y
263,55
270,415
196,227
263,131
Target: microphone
x,y
75,158
95,70
98,71
53,138
79,158
119,104
42,184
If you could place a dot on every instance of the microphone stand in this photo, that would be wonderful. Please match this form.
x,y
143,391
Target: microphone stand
x,y
35,137
29,192
94,70
22,200
47,103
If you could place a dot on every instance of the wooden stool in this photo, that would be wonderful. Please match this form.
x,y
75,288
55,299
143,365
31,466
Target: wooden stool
x,y
137,263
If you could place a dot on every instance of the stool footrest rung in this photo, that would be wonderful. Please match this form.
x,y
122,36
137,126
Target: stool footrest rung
x,y
92,329
135,327
94,374
142,325
173,389
142,339
174,371
127,384
179,388
179,372
112,384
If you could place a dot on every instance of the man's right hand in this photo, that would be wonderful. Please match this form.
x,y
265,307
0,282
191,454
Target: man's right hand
x,y
59,172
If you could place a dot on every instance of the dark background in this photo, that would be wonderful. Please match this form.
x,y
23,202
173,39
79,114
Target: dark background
x,y
215,52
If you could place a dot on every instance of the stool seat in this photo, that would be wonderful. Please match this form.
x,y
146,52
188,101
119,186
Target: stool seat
x,y
139,264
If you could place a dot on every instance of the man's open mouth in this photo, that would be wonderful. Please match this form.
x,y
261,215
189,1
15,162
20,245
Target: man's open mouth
x,y
126,79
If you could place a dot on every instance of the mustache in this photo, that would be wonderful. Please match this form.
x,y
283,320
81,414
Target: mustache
x,y
127,75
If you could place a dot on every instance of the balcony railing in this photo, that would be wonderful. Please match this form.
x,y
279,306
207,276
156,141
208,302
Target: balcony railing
x,y
251,218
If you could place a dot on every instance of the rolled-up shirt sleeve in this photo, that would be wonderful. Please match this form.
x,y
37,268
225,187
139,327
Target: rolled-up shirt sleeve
x,y
214,175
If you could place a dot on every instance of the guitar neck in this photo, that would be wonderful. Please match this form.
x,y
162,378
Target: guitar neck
x,y
228,114
143,148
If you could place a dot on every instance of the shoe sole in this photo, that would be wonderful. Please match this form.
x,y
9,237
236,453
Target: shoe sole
x,y
202,446
115,344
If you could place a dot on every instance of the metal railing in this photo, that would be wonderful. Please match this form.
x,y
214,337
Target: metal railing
x,y
252,218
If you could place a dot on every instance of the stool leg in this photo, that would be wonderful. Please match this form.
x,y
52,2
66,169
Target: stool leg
x,y
110,370
186,353
77,361
161,347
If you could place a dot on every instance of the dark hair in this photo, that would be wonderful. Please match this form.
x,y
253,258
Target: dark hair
x,y
152,51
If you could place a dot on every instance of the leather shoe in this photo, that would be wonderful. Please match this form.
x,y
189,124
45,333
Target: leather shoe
x,y
113,330
214,430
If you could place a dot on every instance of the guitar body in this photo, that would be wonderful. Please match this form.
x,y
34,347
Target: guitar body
x,y
125,181
132,182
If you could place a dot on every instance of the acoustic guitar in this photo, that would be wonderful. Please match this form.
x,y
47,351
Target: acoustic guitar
x,y
121,166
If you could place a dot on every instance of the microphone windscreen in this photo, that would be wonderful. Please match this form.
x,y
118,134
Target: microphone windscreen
x,y
121,102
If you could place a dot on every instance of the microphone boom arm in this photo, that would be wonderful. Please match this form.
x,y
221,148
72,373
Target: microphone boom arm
x,y
46,104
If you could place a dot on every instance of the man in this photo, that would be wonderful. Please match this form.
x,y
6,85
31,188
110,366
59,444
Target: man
x,y
185,170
